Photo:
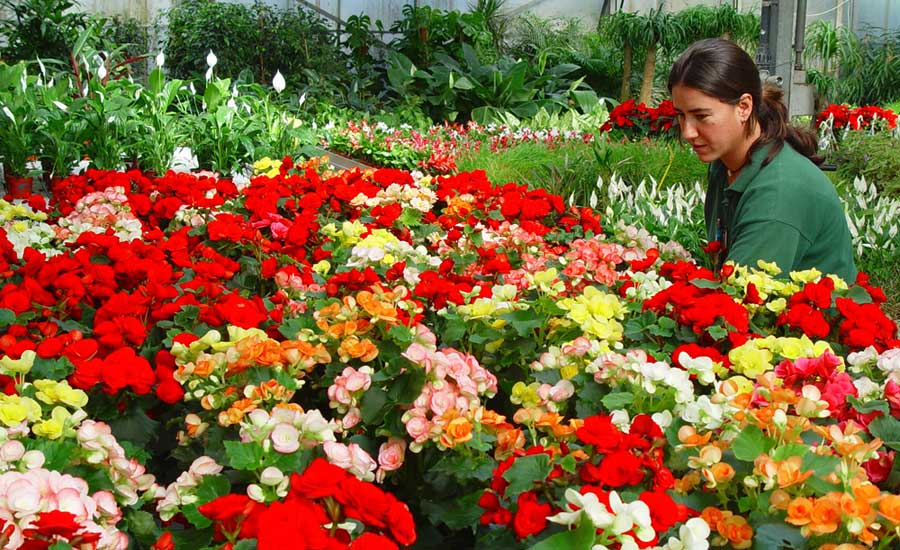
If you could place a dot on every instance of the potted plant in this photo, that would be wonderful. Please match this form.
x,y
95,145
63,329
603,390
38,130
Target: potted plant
x,y
17,108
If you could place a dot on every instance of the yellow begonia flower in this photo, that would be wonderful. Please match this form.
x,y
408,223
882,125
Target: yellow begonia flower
x,y
526,395
806,276
769,267
54,427
12,367
568,371
267,166
839,284
777,306
322,267
351,231
51,391
750,360
14,409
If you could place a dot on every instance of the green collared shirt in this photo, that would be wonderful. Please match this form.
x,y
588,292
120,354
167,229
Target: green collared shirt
x,y
787,212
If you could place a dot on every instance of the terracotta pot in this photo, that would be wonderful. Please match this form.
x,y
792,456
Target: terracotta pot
x,y
18,187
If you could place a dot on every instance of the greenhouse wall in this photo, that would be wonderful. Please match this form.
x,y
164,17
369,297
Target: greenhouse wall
x,y
858,14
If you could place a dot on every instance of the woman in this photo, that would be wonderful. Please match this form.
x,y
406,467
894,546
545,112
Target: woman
x,y
766,199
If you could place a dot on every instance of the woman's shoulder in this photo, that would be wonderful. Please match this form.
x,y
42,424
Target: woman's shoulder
x,y
790,174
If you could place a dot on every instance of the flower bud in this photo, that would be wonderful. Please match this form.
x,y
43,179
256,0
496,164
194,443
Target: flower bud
x,y
271,476
12,451
33,459
255,492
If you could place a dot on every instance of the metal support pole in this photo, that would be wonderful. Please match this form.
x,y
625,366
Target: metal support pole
x,y
800,35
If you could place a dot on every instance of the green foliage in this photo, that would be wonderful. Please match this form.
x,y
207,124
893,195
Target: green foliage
x,y
40,28
859,69
425,33
258,38
873,156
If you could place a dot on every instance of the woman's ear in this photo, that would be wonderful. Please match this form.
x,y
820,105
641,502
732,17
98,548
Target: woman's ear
x,y
745,107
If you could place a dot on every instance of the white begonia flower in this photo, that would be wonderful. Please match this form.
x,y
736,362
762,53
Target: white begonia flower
x,y
693,535
588,504
211,59
702,367
867,388
278,82
160,60
621,420
663,419
631,516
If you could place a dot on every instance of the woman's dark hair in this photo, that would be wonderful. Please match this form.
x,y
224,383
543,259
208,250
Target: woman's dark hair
x,y
721,69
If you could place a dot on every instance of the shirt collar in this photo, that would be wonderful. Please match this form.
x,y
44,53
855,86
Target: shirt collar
x,y
748,172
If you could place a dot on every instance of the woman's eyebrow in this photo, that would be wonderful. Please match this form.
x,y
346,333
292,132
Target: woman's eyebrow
x,y
697,110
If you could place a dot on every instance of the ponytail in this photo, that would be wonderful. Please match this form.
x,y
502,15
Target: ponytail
x,y
775,128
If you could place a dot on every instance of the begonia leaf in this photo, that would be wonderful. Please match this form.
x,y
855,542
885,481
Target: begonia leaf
x,y
777,536
886,428
244,456
617,400
51,369
373,405
822,465
525,472
457,513
581,538
7,317
751,443
212,487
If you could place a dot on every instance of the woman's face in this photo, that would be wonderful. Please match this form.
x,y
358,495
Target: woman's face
x,y
714,128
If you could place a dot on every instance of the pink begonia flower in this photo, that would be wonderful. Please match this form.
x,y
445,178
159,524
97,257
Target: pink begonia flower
x,y
205,466
418,428
285,438
352,458
12,451
391,455
351,419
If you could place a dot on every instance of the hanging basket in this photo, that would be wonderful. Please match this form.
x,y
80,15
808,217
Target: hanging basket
x,y
18,187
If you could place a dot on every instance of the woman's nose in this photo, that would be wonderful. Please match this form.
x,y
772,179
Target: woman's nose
x,y
688,131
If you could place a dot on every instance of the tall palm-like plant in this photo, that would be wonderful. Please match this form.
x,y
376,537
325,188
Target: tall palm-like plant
x,y
829,51
657,30
623,28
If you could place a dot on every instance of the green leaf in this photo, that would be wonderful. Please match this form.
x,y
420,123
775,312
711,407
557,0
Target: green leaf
x,y
717,332
291,462
822,465
787,451
246,544
706,283
859,295
617,400
524,472
56,453
194,516
212,487
465,468
140,523
886,428
777,536
51,369
373,406
7,317
523,321
751,443
407,387
568,464
157,79
869,406
135,427
579,539
457,513
244,456
60,545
